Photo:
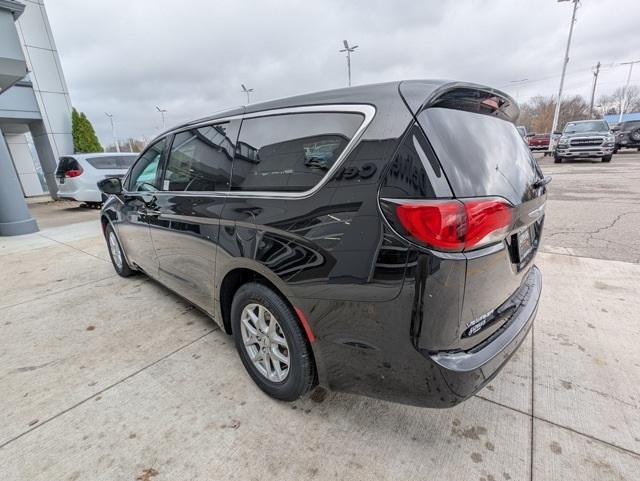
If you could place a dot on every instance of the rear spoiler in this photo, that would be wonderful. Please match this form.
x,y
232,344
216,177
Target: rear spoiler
x,y
459,96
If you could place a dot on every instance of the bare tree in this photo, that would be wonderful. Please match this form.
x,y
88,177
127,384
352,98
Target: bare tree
x,y
129,145
537,114
612,103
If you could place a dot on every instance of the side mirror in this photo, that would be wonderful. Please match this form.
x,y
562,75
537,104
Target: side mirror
x,y
112,185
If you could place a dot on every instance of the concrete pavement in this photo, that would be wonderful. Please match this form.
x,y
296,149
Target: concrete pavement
x,y
105,378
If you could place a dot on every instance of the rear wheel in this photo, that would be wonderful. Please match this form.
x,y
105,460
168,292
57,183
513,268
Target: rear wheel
x,y
116,254
607,158
271,342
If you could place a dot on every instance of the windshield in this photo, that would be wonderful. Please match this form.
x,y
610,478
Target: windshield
x,y
595,126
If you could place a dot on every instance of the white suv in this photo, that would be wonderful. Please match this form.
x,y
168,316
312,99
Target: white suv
x,y
78,175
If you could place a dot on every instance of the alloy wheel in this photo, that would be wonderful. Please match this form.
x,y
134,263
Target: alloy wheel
x,y
116,253
265,342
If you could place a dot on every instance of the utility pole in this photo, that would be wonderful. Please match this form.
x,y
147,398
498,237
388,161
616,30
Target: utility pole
x,y
162,112
349,50
623,105
113,131
596,72
556,114
247,91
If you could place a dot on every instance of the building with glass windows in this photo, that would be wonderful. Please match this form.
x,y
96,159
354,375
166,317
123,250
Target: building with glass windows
x,y
35,109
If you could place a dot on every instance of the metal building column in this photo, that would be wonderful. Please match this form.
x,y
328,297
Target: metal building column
x,y
15,218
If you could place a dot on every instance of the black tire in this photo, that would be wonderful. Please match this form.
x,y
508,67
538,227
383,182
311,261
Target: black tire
x,y
607,158
634,135
302,373
557,159
122,268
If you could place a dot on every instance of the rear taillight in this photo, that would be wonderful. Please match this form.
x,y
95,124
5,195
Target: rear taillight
x,y
455,225
73,173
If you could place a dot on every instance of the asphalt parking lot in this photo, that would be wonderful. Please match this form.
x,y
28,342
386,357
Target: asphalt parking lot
x,y
104,378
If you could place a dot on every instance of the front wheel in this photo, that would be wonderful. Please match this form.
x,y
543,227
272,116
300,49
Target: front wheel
x,y
271,343
607,158
557,159
115,252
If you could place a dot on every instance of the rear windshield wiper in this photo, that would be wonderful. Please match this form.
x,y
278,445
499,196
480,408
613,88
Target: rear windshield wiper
x,y
541,182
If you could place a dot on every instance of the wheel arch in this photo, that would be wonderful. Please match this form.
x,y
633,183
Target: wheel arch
x,y
235,277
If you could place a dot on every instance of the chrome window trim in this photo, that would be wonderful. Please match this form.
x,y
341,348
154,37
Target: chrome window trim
x,y
367,110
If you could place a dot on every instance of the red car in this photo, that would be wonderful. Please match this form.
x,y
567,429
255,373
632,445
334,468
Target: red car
x,y
539,141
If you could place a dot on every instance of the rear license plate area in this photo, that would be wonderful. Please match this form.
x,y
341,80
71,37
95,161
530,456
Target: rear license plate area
x,y
524,243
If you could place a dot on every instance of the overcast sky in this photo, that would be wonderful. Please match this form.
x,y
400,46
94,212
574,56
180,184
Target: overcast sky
x,y
190,56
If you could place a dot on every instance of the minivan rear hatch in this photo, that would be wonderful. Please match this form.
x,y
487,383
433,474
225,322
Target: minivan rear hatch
x,y
471,131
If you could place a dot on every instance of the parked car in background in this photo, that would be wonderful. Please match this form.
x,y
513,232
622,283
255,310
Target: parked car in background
x,y
522,130
539,141
628,135
585,139
372,239
78,175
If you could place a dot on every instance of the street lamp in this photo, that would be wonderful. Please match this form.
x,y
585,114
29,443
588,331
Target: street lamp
x,y
246,91
517,86
162,112
556,114
349,50
113,131
626,88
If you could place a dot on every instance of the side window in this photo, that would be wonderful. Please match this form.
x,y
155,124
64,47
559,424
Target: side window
x,y
144,173
292,152
200,159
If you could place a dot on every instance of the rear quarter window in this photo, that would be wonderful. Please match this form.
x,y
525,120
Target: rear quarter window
x,y
291,152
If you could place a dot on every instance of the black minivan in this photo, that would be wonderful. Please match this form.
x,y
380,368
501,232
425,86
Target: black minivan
x,y
376,240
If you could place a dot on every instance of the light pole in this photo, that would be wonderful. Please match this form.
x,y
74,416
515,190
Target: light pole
x,y
556,114
517,86
626,88
596,72
113,131
349,50
246,91
162,112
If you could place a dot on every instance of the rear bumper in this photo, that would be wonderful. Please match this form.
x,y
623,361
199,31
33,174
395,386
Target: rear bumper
x,y
79,193
467,372
365,348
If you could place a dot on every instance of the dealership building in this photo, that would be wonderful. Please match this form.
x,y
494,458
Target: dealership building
x,y
35,112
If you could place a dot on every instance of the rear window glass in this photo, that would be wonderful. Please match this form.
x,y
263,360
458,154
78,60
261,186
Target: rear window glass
x,y
290,153
112,161
66,164
480,155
